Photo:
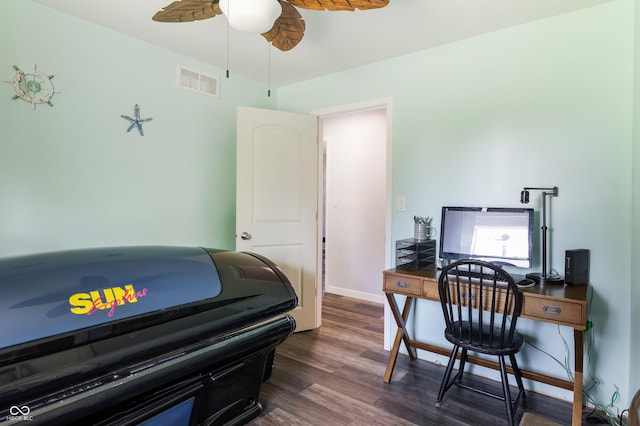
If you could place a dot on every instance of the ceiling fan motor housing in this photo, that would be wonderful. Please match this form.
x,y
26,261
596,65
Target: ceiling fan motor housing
x,y
251,16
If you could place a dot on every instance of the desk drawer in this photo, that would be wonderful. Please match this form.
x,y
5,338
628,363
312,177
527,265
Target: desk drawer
x,y
430,290
555,311
402,284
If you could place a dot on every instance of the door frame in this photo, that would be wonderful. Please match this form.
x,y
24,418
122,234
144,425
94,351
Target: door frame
x,y
387,103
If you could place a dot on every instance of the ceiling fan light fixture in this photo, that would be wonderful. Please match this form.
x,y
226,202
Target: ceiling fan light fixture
x,y
251,16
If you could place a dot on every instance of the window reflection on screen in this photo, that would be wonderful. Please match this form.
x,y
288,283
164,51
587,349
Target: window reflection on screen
x,y
498,235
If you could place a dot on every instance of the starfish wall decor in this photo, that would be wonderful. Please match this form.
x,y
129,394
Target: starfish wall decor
x,y
136,121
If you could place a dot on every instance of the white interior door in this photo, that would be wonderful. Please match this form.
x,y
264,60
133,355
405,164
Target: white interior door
x,y
277,199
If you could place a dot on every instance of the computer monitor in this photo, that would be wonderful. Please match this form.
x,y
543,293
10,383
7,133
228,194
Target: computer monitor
x,y
500,235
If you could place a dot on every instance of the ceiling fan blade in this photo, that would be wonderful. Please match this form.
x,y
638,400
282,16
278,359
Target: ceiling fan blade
x,y
188,11
288,29
339,4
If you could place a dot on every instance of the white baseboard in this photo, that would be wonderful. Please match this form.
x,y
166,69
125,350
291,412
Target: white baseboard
x,y
376,298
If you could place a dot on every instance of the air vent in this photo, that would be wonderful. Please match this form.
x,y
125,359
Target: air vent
x,y
197,82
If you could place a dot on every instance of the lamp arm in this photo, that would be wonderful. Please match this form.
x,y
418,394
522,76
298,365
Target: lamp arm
x,y
554,190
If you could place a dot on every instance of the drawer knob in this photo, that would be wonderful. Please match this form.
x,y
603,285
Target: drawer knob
x,y
555,310
469,296
403,284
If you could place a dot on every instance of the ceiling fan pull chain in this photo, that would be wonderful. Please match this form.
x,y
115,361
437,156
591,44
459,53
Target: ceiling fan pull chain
x,y
228,49
269,71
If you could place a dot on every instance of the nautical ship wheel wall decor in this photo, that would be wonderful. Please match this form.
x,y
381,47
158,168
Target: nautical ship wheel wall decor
x,y
33,86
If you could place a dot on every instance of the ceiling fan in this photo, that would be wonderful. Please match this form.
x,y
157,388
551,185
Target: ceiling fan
x,y
287,30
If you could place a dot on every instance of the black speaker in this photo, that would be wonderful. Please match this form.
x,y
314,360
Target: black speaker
x,y
576,266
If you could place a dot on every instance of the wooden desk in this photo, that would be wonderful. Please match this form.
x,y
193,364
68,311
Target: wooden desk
x,y
564,305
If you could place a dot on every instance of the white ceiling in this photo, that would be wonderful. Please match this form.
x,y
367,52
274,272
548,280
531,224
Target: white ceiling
x,y
333,41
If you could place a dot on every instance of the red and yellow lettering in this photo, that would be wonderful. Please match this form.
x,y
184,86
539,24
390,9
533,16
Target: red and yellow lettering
x,y
82,303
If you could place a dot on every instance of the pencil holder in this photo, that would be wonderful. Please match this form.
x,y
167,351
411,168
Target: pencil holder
x,y
422,231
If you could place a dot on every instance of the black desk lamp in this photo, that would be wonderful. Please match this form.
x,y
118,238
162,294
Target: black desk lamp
x,y
543,277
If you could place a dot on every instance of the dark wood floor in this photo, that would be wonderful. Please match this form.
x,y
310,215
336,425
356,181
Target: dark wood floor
x,y
333,376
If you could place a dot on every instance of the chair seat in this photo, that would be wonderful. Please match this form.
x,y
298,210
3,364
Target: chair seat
x,y
460,335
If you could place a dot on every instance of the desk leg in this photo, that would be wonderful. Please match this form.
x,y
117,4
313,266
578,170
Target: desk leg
x,y
577,377
401,334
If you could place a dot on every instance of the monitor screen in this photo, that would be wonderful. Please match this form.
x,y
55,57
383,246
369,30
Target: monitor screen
x,y
500,235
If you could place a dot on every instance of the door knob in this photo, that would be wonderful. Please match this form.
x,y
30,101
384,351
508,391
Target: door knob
x,y
245,236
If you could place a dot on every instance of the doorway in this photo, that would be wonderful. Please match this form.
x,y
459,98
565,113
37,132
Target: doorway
x,y
356,199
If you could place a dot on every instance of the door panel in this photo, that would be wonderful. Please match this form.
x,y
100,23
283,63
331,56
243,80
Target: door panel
x,y
277,192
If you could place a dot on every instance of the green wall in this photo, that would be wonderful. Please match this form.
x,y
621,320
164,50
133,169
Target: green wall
x,y
71,176
634,335
542,104
547,103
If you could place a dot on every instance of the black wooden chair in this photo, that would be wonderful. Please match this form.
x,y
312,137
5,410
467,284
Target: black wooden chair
x,y
481,304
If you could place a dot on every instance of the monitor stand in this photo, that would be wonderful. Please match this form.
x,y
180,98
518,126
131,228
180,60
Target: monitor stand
x,y
542,278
